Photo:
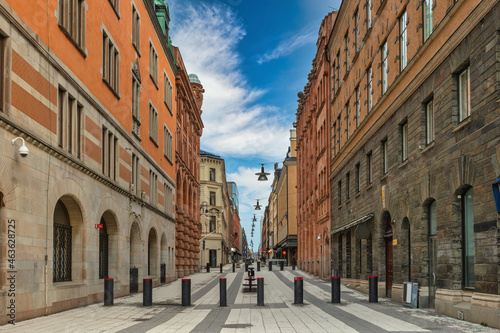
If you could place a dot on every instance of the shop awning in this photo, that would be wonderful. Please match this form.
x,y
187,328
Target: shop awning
x,y
351,224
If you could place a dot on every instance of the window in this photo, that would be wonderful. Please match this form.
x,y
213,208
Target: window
x,y
153,63
339,138
213,224
346,52
429,122
4,75
464,108
358,179
368,14
358,107
167,92
116,5
356,30
339,192
72,20
62,244
136,173
404,142
432,216
212,199
212,174
427,18
136,106
168,141
348,185
109,153
168,193
384,153
153,124
337,75
334,145
110,63
468,241
153,188
69,123
403,40
369,167
347,120
369,89
136,30
384,67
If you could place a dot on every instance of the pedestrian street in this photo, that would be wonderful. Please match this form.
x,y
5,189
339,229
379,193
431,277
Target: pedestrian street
x,y
242,314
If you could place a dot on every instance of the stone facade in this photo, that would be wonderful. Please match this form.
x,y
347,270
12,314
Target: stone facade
x,y
94,197
412,171
313,162
187,153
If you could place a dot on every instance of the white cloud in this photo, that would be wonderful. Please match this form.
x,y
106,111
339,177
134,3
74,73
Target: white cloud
x,y
235,123
288,45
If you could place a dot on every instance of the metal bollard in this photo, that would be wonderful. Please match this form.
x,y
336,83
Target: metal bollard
x,y
373,289
208,267
186,292
298,291
234,266
147,293
270,265
246,266
108,291
221,267
293,265
260,291
335,289
258,266
223,294
282,263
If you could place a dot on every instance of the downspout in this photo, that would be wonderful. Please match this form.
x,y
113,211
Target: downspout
x,y
48,183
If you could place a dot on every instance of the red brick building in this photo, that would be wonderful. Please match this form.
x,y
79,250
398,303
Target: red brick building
x,y
189,128
313,161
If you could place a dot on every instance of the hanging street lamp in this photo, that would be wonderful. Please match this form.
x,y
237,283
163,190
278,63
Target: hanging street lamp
x,y
262,174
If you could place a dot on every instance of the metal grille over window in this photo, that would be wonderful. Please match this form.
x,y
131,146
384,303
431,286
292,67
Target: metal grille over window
x,y
62,252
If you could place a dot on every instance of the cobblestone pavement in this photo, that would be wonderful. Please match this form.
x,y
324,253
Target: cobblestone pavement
x,y
279,314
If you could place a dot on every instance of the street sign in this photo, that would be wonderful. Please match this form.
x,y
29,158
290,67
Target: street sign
x,y
98,226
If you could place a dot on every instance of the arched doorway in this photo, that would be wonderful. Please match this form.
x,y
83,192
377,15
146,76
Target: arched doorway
x,y
389,254
152,253
108,245
164,259
135,256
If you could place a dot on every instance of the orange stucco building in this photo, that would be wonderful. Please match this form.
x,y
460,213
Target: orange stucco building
x,y
90,88
313,162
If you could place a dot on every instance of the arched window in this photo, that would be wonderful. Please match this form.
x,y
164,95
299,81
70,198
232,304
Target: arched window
x,y
468,238
62,244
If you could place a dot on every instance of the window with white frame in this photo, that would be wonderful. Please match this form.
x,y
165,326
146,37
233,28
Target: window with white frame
x,y
358,106
168,193
71,19
403,40
153,123
167,92
69,123
369,89
464,105
116,5
346,52
109,153
368,14
347,120
168,144
136,174
136,105
384,67
356,30
429,122
153,188
136,29
385,156
110,63
153,63
404,142
427,18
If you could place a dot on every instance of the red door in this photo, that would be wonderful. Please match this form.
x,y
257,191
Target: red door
x,y
389,267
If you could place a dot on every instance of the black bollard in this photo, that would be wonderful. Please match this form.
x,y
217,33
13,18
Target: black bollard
x,y
234,266
108,291
258,266
223,294
298,291
373,289
221,267
260,291
208,267
246,266
147,293
186,292
281,265
293,265
335,289
270,265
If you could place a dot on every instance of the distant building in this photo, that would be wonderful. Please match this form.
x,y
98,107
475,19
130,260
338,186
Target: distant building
x,y
415,136
235,225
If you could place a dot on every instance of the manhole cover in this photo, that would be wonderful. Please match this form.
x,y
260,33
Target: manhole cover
x,y
236,325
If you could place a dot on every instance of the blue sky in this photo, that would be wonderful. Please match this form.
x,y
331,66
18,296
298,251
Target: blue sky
x,y
252,57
